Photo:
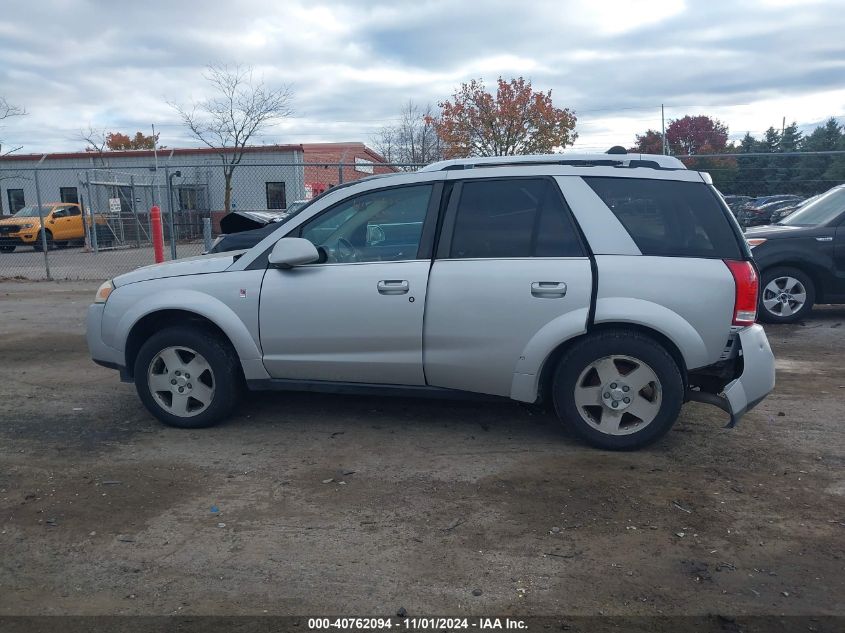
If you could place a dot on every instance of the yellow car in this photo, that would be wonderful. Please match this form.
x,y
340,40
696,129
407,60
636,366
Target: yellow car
x,y
62,225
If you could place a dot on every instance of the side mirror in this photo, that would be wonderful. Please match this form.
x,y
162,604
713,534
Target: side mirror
x,y
293,251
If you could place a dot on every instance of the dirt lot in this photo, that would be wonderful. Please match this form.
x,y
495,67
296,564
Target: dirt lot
x,y
351,505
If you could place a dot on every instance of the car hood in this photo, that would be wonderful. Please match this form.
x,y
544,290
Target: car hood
x,y
770,231
200,265
14,220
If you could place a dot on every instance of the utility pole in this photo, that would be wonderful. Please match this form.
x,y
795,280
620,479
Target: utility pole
x,y
663,128
782,131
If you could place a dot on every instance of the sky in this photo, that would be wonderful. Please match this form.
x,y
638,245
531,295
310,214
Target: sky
x,y
352,64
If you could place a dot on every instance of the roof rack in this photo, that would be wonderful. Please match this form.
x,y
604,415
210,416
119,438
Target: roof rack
x,y
615,159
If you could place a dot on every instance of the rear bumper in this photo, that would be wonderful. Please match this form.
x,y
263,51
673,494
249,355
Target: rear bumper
x,y
758,372
754,376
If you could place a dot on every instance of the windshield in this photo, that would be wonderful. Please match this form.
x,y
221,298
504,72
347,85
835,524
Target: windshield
x,y
821,210
32,212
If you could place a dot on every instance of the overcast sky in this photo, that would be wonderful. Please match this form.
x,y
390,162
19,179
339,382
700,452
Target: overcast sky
x,y
352,64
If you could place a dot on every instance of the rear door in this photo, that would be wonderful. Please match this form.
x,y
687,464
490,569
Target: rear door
x,y
509,265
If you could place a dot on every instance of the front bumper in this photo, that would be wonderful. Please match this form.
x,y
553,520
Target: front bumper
x,y
101,353
755,381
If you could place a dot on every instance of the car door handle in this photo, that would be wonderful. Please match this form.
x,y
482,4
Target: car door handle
x,y
393,286
548,289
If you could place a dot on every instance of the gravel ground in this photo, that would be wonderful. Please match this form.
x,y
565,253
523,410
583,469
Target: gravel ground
x,y
315,504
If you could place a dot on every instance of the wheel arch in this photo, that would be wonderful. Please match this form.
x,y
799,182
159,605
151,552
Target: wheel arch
x,y
811,270
157,320
547,371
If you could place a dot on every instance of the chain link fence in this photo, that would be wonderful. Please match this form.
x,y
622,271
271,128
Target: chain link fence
x,y
95,223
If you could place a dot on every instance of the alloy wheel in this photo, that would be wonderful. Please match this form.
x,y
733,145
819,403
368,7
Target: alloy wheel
x,y
618,395
181,381
784,296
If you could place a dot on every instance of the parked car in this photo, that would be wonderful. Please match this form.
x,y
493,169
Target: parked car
x,y
612,288
759,213
62,226
783,212
802,259
735,202
244,229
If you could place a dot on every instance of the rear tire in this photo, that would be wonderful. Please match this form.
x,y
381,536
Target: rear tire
x,y
8,248
623,367
787,295
188,377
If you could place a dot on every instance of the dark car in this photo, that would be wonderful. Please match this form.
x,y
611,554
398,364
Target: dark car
x,y
781,213
735,202
801,259
244,229
759,211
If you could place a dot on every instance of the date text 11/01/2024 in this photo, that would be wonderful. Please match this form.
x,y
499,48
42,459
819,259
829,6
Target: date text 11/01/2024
x,y
416,624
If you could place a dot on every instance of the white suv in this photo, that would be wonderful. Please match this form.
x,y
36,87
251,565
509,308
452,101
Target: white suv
x,y
613,287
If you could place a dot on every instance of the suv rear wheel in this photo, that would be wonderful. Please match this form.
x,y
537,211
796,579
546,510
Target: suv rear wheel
x,y
188,377
786,295
618,390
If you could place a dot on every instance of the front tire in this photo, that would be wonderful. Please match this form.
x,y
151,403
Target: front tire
x,y
618,390
188,377
37,244
787,295
7,248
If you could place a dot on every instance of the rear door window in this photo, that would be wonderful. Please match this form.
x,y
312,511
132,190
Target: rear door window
x,y
514,217
670,218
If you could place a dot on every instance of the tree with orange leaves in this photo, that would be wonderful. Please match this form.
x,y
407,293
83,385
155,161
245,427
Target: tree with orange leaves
x,y
516,120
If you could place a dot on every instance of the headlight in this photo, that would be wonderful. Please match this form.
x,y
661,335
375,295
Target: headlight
x,y
756,241
103,292
28,226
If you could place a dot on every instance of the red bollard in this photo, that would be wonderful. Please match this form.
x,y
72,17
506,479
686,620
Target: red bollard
x,y
158,236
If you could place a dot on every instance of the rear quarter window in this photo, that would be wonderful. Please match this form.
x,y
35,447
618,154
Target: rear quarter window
x,y
668,218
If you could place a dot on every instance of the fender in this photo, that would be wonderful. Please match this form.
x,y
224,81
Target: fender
x,y
132,307
658,318
526,376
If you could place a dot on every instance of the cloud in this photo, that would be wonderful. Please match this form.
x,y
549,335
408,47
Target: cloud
x,y
352,64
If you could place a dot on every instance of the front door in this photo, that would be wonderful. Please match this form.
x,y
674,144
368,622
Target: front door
x,y
510,269
60,224
357,317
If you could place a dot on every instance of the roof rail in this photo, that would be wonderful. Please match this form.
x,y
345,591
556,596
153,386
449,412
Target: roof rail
x,y
652,161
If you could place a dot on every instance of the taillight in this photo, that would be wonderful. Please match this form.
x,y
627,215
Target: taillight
x,y
747,286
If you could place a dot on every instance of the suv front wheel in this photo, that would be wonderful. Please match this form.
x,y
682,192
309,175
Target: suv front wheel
x,y
618,390
188,377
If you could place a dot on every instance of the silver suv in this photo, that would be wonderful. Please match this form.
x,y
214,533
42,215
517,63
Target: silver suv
x,y
612,288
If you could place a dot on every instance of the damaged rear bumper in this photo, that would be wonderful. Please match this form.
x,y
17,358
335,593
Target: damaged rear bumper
x,y
754,377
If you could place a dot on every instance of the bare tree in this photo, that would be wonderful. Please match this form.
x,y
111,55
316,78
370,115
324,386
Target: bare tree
x,y
413,140
7,111
95,140
241,107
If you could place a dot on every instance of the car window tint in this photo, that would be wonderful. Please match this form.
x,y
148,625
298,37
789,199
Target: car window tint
x,y
669,218
382,225
513,218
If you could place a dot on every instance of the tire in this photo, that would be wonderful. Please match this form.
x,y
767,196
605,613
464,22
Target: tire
x,y
781,292
216,383
36,245
61,244
7,248
626,360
